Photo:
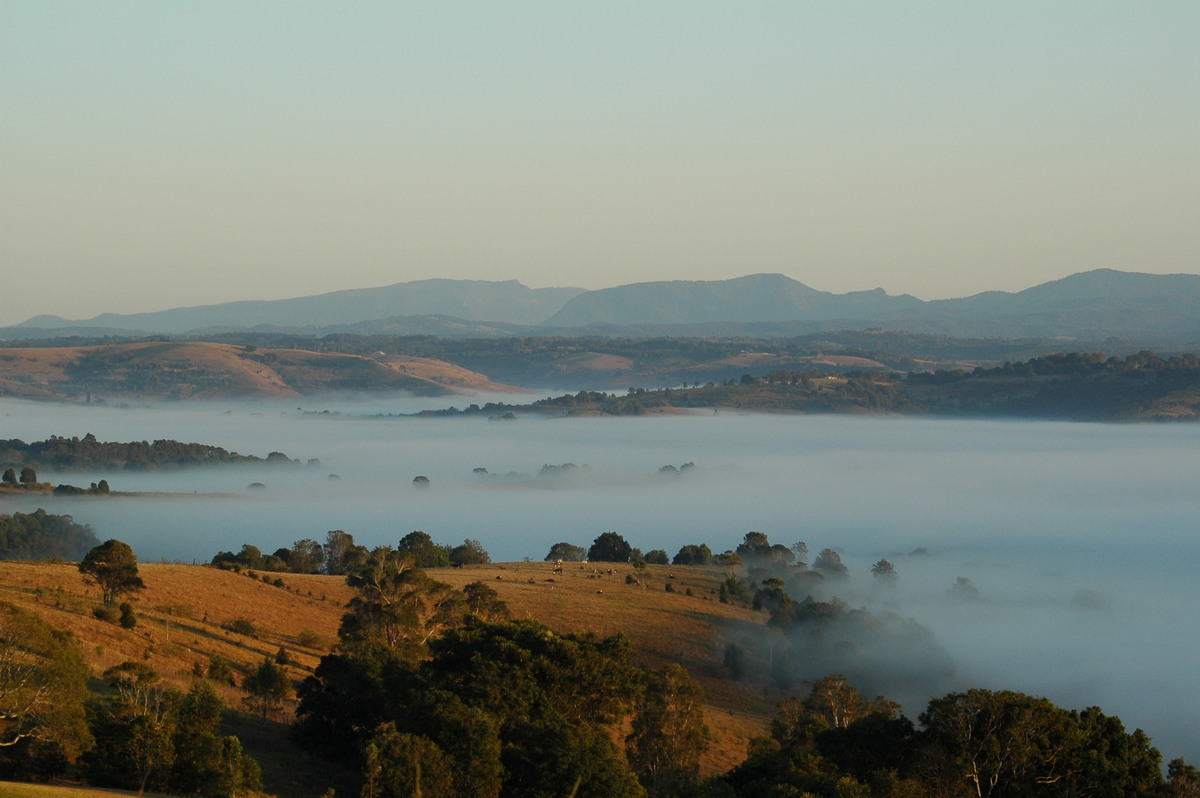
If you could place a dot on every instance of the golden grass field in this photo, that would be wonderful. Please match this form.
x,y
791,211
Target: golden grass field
x,y
12,789
183,610
202,370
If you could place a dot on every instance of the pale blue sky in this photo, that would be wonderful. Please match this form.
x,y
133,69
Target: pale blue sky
x,y
163,154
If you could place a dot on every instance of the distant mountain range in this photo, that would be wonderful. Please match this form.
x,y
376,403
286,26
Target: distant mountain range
x,y
1091,306
472,300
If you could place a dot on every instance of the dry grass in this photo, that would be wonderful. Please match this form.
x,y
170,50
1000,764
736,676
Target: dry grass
x,y
12,789
446,374
201,370
184,609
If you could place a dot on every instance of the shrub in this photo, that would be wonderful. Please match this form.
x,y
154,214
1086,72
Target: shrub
x,y
219,670
734,661
657,557
242,626
310,639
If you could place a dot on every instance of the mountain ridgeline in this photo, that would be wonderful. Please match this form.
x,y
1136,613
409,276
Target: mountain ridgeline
x,y
1092,305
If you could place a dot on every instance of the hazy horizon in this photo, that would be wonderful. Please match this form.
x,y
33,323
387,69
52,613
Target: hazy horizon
x,y
497,280
189,154
1080,537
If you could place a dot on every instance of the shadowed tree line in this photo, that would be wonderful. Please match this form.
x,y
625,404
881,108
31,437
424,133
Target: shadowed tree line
x,y
43,536
340,555
981,743
86,453
435,691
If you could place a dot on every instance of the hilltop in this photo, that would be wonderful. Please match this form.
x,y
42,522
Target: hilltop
x,y
188,612
204,370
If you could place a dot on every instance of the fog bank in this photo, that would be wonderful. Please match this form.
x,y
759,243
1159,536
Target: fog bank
x,y
1080,538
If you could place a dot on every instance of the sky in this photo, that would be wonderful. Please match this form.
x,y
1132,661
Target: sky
x,y
158,155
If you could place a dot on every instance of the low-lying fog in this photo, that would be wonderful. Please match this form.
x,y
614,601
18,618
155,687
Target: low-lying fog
x,y
1081,538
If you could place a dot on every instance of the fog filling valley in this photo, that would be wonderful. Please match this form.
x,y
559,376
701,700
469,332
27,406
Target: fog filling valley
x,y
1080,538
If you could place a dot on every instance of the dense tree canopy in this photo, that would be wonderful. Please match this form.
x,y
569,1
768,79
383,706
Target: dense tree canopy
x,y
397,605
610,547
425,674
87,453
566,552
470,552
694,554
668,734
424,552
43,686
113,566
979,743
40,535
161,739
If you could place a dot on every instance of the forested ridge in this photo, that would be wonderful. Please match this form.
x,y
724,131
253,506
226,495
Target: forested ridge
x,y
42,536
871,371
65,454
1073,386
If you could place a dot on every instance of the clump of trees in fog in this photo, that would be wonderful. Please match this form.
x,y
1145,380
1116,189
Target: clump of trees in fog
x,y
86,453
42,536
837,742
341,555
430,697
432,690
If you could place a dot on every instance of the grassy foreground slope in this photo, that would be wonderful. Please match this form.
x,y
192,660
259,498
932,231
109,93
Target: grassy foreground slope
x,y
12,789
186,611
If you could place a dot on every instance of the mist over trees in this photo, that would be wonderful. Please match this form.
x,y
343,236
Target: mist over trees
x,y
431,689
484,706
41,536
339,555
1002,744
87,453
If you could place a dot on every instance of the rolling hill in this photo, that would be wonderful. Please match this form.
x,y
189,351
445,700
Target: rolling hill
x,y
196,370
186,610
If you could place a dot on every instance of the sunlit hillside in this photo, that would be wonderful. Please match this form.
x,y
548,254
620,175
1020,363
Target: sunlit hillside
x,y
187,614
198,370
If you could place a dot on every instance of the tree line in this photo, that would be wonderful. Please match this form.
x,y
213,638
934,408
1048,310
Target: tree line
x,y
431,690
64,454
340,555
42,536
436,691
